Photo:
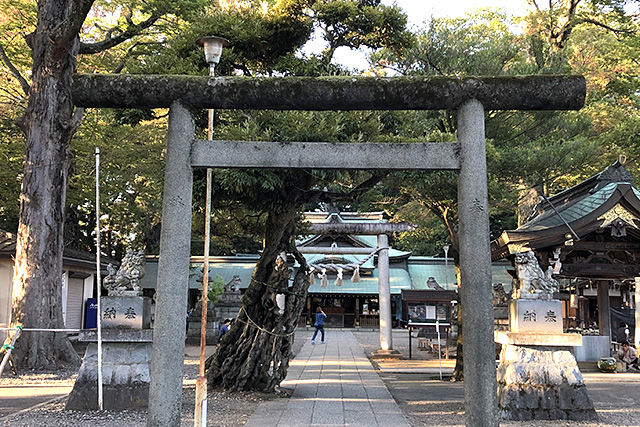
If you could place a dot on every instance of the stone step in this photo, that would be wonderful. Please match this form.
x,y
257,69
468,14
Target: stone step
x,y
588,366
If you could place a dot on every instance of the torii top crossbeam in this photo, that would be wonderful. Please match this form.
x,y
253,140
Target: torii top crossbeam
x,y
330,93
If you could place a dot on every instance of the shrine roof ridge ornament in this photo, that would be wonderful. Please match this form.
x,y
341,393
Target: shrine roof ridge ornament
x,y
547,92
363,229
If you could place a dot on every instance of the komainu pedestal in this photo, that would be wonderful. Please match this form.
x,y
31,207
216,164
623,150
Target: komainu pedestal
x,y
542,383
126,357
126,344
538,376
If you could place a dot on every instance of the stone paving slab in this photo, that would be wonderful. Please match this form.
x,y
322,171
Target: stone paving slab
x,y
333,384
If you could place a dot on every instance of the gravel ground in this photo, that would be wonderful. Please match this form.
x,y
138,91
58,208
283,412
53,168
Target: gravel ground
x,y
427,401
424,400
223,409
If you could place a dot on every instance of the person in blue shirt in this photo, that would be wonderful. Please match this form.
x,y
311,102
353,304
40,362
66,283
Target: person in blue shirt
x,y
319,324
224,329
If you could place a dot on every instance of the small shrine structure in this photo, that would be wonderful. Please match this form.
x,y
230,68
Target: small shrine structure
x,y
589,235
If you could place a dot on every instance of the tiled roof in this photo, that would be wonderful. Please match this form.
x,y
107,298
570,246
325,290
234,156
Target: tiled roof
x,y
7,243
571,212
419,270
70,256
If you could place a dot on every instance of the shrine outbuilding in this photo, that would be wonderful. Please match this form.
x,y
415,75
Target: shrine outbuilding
x,y
77,282
594,230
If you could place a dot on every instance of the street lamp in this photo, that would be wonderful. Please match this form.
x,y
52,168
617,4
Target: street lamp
x,y
212,52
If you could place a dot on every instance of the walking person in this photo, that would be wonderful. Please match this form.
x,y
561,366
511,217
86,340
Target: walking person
x,y
319,324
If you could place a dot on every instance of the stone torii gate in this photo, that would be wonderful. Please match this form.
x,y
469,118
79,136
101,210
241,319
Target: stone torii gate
x,y
384,286
469,96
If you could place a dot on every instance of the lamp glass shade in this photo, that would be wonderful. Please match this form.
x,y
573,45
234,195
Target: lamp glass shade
x,y
212,48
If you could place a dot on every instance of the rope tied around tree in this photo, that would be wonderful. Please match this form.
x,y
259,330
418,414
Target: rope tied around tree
x,y
251,322
280,290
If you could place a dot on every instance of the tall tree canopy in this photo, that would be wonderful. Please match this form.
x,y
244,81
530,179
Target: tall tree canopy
x,y
155,37
49,123
549,150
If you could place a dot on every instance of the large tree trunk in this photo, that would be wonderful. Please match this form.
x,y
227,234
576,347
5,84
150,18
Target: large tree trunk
x,y
49,126
255,353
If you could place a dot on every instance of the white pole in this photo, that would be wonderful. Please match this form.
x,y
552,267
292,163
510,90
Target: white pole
x,y
439,348
98,282
636,339
446,266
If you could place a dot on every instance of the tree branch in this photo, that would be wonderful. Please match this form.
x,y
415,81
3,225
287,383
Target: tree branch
x,y
605,26
76,119
120,66
75,20
535,4
242,67
351,196
7,62
109,42
428,61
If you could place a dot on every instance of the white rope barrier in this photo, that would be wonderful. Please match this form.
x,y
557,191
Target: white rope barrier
x,y
41,330
339,269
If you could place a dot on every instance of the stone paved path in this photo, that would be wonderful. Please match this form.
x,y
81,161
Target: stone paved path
x,y
333,384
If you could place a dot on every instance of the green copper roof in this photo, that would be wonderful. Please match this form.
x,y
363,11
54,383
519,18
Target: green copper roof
x,y
574,212
419,271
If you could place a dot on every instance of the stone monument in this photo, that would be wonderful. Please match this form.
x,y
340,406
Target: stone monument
x,y
227,307
126,344
538,376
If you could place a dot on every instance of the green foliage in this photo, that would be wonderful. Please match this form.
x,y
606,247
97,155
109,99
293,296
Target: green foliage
x,y
479,44
552,149
259,40
131,182
361,23
524,149
11,159
216,288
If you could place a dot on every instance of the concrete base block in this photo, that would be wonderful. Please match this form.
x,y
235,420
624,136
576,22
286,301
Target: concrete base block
x,y
386,354
538,339
125,377
541,383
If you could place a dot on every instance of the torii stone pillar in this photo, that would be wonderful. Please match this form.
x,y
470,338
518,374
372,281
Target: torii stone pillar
x,y
384,293
480,396
169,329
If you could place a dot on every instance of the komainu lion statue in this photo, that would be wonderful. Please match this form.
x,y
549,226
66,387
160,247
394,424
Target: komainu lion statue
x,y
532,282
126,280
500,296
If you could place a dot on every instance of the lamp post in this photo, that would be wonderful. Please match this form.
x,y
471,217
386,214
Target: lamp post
x,y
212,52
446,265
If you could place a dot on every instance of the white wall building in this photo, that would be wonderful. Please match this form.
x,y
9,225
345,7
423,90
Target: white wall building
x,y
77,282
